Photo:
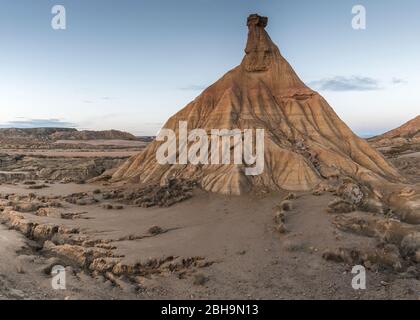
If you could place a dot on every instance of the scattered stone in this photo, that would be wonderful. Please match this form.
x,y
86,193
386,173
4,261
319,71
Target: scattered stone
x,y
317,193
279,217
281,228
172,192
38,186
50,264
27,207
411,243
295,246
387,257
286,205
20,269
155,230
290,196
200,279
29,183
340,206
374,206
350,192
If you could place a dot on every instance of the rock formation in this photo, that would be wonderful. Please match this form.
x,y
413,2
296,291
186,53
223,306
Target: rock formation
x,y
36,136
408,133
305,141
93,135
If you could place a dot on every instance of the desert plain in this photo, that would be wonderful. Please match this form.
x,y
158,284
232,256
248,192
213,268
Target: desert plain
x,y
209,246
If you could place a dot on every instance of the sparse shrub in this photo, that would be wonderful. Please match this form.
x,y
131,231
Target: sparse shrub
x,y
286,205
281,228
155,230
290,196
200,279
317,193
279,217
340,206
295,246
107,206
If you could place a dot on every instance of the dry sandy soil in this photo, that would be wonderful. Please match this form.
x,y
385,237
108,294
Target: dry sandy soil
x,y
207,247
242,255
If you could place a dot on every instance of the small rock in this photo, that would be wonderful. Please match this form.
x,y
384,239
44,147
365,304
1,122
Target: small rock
x,y
107,206
286,205
200,279
155,230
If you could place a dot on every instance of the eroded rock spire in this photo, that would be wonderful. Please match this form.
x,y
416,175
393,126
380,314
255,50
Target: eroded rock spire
x,y
259,45
306,144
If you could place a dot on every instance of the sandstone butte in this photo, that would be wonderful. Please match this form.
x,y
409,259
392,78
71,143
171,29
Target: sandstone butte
x,y
306,143
408,133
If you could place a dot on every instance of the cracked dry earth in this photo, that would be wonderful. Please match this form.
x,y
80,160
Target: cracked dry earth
x,y
209,246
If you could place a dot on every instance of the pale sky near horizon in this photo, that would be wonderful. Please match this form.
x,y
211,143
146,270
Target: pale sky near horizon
x,y
130,64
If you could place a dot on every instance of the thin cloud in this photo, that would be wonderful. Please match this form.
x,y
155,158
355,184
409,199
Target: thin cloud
x,y
353,83
398,81
193,87
105,98
38,123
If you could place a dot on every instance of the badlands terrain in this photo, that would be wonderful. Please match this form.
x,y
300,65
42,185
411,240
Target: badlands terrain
x,y
126,227
209,246
402,147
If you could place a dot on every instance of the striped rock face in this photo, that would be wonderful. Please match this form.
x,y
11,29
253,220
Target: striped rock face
x,y
305,142
408,133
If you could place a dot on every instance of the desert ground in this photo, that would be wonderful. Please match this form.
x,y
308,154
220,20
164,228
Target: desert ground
x,y
206,246
126,226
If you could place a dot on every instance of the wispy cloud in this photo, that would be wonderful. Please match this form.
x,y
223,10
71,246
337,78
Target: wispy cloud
x,y
37,123
398,81
193,87
352,83
105,98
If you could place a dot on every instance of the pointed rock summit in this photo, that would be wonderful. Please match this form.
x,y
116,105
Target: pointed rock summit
x,y
305,141
261,54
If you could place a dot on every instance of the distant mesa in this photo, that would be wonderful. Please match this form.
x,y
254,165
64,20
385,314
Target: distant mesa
x,y
54,134
35,138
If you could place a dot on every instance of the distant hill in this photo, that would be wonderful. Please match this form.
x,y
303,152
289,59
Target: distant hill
x,y
408,133
54,134
93,135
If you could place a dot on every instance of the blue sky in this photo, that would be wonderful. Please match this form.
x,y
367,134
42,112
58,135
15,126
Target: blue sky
x,y
130,64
